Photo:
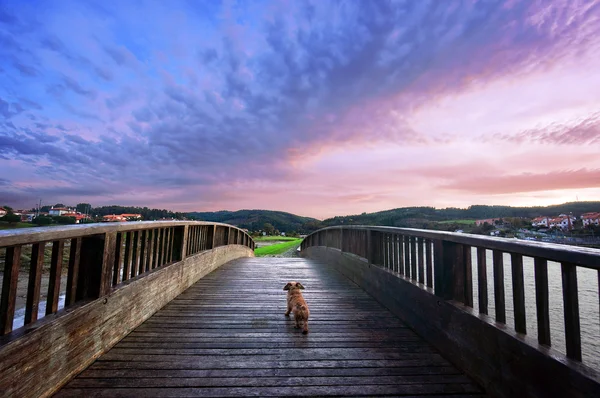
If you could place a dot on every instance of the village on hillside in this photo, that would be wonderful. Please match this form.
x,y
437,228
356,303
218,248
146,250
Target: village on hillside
x,y
65,215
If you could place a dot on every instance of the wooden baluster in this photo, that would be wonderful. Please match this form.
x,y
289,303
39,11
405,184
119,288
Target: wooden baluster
x,y
35,281
420,260
165,240
407,256
571,309
429,263
116,275
516,262
55,273
468,275
171,244
128,256
395,249
158,247
135,254
499,286
73,272
482,287
150,250
413,258
384,247
196,240
12,261
167,254
143,249
400,254
542,300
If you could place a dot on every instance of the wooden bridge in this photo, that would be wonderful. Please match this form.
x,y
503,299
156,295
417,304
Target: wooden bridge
x,y
183,309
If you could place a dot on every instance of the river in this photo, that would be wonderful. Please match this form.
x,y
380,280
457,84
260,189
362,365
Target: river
x,y
587,282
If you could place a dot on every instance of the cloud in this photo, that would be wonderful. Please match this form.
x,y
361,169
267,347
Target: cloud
x,y
584,132
527,182
248,92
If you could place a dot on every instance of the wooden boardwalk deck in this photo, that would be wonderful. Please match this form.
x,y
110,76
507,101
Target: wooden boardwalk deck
x,y
227,336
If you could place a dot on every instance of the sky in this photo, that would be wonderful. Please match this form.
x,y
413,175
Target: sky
x,y
319,108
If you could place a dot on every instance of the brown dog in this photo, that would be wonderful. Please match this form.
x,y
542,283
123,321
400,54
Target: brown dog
x,y
296,303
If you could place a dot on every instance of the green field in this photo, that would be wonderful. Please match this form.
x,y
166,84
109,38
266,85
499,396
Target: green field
x,y
273,238
277,249
463,222
5,225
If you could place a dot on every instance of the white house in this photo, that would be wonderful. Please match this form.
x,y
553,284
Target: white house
x,y
540,222
590,219
59,211
2,212
563,221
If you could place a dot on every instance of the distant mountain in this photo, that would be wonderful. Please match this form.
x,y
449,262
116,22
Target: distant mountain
x,y
256,219
408,217
427,217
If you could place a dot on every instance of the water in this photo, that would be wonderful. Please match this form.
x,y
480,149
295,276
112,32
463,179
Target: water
x,y
587,282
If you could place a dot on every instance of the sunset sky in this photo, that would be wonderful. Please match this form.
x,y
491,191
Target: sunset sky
x,y
319,108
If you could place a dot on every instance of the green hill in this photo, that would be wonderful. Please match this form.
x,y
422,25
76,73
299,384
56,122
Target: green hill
x,y
256,219
430,217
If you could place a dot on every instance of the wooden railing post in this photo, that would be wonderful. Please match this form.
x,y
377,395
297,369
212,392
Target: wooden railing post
x,y
342,240
9,289
214,237
369,247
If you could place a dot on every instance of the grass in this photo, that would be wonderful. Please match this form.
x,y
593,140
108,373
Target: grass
x,y
5,225
273,238
277,249
463,222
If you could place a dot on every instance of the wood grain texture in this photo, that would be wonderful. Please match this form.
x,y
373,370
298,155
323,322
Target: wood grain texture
x,y
34,284
505,363
10,279
228,337
37,359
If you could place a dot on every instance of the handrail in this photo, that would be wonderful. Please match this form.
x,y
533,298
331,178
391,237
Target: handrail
x,y
442,263
101,257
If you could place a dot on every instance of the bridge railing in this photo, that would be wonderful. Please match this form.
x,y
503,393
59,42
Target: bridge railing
x,y
443,263
99,259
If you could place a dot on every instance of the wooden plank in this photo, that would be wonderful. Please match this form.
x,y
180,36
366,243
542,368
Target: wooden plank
x,y
499,301
73,271
571,310
12,262
518,293
211,346
482,282
56,261
34,283
542,300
